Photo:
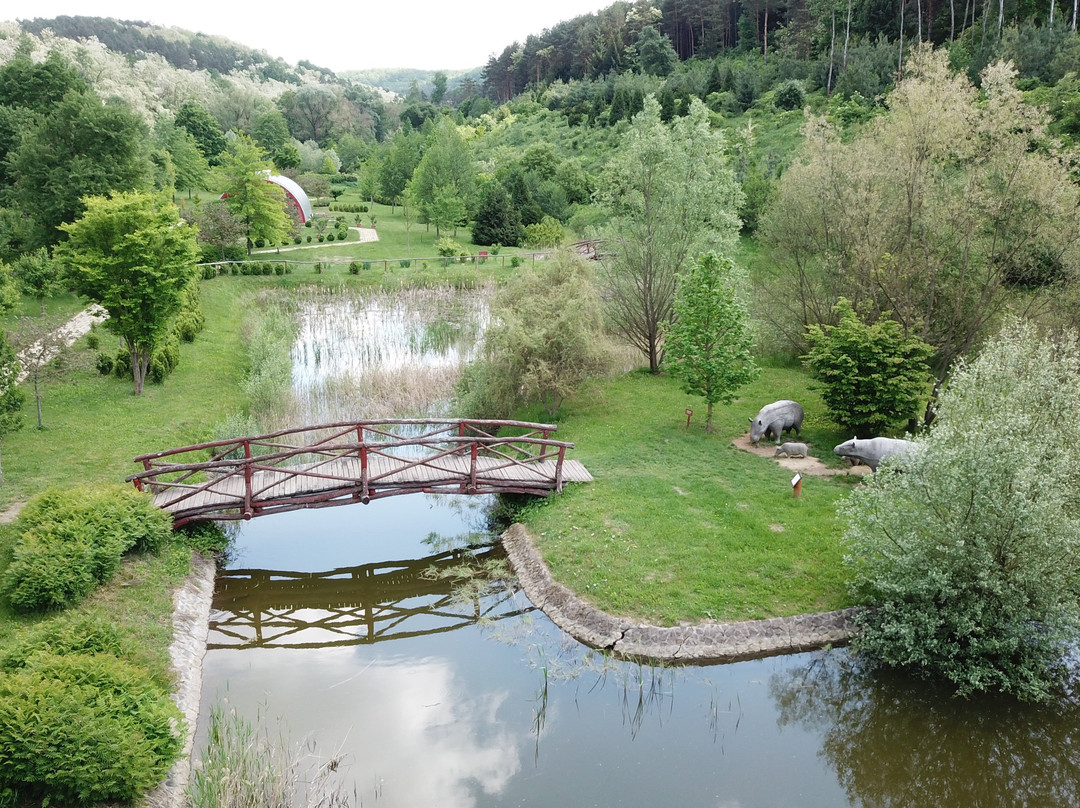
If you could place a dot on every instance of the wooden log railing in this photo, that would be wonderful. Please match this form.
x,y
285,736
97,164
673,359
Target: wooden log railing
x,y
331,464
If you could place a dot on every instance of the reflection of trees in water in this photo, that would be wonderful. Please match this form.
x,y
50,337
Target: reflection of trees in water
x,y
898,742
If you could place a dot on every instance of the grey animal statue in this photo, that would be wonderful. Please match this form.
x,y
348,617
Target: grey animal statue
x,y
791,449
774,419
872,451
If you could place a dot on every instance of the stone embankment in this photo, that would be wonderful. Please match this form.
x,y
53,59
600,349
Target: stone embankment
x,y
704,642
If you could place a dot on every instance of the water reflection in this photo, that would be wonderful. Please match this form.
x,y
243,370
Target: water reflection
x,y
365,604
895,742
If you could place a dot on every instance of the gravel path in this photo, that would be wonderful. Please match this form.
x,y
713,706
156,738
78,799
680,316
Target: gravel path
x,y
67,334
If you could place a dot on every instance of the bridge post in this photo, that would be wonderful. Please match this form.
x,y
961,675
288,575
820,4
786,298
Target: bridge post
x,y
558,470
472,466
248,512
365,495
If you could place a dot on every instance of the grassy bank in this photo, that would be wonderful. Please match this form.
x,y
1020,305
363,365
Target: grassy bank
x,y
682,526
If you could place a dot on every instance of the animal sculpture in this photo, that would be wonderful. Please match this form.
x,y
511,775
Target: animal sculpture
x,y
872,451
791,449
774,419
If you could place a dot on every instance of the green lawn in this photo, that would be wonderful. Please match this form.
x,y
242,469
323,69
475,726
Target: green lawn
x,y
681,525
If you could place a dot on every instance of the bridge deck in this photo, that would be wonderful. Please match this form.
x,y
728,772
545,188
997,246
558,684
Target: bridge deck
x,y
276,488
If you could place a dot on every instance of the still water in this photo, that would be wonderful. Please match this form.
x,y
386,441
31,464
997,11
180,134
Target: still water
x,y
437,694
431,706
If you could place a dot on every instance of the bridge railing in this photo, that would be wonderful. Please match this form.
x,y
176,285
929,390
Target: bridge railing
x,y
243,474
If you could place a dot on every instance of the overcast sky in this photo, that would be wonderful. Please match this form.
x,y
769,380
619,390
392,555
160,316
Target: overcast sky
x,y
429,34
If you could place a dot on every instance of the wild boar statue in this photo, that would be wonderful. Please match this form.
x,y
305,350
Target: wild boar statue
x,y
791,449
774,419
872,451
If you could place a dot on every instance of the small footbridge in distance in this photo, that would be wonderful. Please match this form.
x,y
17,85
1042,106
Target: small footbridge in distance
x,y
356,461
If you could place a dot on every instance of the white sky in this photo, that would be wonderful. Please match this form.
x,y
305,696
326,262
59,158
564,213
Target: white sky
x,y
427,34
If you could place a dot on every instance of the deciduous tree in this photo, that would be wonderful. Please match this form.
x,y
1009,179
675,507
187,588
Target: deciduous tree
x,y
11,397
671,194
968,562
708,343
259,204
133,255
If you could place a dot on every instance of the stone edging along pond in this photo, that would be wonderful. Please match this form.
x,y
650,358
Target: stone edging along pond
x,y
705,642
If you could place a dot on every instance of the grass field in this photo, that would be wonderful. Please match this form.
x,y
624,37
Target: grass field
x,y
682,526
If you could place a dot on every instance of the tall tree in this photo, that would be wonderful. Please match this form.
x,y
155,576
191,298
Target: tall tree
x,y
671,194
132,254
81,148
447,166
204,128
38,276
938,211
708,343
259,204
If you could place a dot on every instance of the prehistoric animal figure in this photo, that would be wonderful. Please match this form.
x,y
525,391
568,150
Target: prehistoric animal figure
x,y
872,451
791,449
774,419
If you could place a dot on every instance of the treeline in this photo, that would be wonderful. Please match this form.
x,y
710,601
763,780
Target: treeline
x,y
822,36
181,49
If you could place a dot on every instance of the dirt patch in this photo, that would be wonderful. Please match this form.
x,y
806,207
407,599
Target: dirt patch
x,y
803,465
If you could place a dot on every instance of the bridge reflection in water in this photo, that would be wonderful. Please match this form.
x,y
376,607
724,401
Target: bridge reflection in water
x,y
388,600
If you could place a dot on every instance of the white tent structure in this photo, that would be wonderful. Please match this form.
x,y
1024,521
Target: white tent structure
x,y
294,192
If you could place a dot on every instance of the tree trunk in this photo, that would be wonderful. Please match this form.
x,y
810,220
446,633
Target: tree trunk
x,y
708,418
900,52
847,39
832,49
37,398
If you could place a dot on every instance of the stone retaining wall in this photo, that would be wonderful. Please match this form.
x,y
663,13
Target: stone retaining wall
x,y
706,642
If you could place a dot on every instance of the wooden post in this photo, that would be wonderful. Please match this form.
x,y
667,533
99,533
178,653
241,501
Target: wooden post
x,y
796,485
472,467
247,479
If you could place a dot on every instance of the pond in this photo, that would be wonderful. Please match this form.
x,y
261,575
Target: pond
x,y
462,694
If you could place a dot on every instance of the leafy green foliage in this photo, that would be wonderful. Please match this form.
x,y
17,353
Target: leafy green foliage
x,y
83,729
259,204
548,232
969,561
708,343
132,254
872,376
497,220
72,540
545,340
671,194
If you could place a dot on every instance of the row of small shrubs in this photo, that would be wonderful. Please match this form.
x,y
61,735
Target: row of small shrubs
x,y
71,541
344,207
82,718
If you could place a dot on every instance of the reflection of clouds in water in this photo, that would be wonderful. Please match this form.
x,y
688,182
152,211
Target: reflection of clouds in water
x,y
389,720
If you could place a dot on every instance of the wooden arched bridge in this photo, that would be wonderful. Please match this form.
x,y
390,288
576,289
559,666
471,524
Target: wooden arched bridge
x,y
356,461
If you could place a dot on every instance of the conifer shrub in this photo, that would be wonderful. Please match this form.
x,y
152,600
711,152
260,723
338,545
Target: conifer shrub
x,y
82,729
354,268
72,540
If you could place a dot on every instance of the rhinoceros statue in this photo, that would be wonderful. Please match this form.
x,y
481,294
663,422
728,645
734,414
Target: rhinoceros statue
x,y
791,449
774,419
872,451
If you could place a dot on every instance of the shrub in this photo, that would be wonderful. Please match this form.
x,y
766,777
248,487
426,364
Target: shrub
x,y
405,263
234,270
871,375
209,271
331,236
67,634
56,566
321,238
267,269
515,261
354,268
81,729
367,266
93,341
447,247
318,267
494,249
104,364
297,239
790,95
122,364
309,238
260,242
279,269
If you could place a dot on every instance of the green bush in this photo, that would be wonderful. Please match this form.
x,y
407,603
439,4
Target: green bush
x,y
54,567
515,261
104,364
354,268
71,540
331,236
367,266
790,95
405,263
279,269
234,270
871,376
93,341
209,271
79,730
447,247
297,239
122,364
116,509
67,634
